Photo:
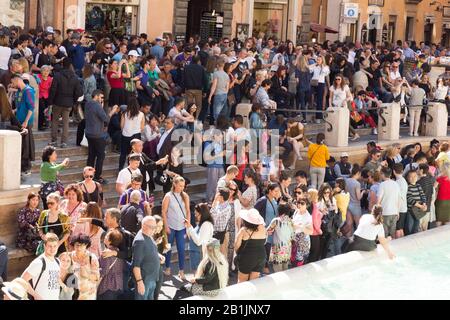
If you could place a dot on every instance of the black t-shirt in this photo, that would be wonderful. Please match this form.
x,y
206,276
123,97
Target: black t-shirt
x,y
243,65
374,82
42,59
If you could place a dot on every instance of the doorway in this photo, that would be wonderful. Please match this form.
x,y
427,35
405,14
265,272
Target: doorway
x,y
409,34
194,16
428,32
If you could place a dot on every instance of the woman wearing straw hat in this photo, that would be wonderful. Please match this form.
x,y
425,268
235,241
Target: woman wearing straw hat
x,y
249,245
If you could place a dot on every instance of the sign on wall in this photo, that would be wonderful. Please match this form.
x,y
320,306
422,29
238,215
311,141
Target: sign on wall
x,y
351,10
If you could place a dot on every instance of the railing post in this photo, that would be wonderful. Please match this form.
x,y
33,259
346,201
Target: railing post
x,y
436,120
389,122
336,127
10,156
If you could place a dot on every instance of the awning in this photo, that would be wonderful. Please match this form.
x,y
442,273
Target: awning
x,y
321,28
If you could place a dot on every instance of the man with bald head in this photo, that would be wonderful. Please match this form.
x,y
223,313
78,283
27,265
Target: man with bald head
x,y
146,260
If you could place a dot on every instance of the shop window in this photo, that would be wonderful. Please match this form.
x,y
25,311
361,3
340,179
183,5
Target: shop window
x,y
269,19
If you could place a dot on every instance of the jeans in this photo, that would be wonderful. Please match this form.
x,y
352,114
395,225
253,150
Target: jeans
x,y
318,92
317,177
3,262
56,113
125,148
109,295
219,104
150,286
179,237
411,224
303,98
96,155
159,283
195,255
287,149
335,247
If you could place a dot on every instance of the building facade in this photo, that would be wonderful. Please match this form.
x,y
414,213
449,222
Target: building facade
x,y
382,21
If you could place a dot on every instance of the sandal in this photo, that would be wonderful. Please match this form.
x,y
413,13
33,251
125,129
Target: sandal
x,y
181,275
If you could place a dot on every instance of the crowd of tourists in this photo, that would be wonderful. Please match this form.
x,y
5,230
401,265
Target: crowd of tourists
x,y
257,216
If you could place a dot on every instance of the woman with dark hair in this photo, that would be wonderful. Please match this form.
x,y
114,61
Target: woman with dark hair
x,y
28,237
110,286
132,123
117,95
318,156
250,195
235,222
369,231
328,207
49,174
250,246
200,235
85,266
279,89
89,82
285,182
282,230
303,228
91,211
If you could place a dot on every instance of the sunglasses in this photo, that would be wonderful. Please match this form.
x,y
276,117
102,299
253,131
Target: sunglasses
x,y
90,177
233,190
108,48
338,79
327,192
50,203
298,192
302,203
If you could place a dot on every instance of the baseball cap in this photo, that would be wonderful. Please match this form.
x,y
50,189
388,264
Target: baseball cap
x,y
133,53
50,30
344,154
159,38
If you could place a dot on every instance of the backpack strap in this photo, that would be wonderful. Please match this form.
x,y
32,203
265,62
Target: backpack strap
x,y
44,265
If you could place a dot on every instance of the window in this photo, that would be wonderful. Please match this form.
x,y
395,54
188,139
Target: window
x,y
379,3
446,12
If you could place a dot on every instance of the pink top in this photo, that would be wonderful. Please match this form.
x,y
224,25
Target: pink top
x,y
85,228
74,215
44,86
317,220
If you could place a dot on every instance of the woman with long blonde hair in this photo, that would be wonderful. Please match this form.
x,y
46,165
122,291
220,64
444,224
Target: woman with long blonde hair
x,y
212,272
175,211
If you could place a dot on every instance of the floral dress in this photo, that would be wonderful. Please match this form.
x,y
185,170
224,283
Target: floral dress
x,y
28,237
302,242
282,239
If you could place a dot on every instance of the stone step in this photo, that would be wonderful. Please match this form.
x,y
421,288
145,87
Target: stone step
x,y
71,150
46,135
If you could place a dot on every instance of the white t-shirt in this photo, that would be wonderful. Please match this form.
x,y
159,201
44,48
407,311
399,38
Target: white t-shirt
x,y
5,54
177,115
48,286
367,229
320,73
403,192
395,75
301,220
124,176
132,126
389,193
351,57
340,95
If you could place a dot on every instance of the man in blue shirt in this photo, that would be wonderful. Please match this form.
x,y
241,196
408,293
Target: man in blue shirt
x,y
77,53
157,50
25,104
146,260
123,49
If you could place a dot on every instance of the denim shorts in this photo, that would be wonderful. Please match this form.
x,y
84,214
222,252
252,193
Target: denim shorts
x,y
355,209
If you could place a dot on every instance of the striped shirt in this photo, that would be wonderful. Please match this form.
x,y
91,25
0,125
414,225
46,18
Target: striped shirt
x,y
415,194
427,183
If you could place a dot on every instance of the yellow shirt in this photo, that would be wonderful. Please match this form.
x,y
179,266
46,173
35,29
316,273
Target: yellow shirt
x,y
342,202
318,155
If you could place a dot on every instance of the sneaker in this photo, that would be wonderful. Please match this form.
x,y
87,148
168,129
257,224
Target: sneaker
x,y
63,145
355,137
375,131
52,144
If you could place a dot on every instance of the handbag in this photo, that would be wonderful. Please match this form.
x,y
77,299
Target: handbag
x,y
418,213
236,259
84,142
314,82
354,115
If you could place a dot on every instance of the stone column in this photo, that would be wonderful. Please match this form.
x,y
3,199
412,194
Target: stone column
x,y
389,122
436,120
336,127
306,20
10,150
